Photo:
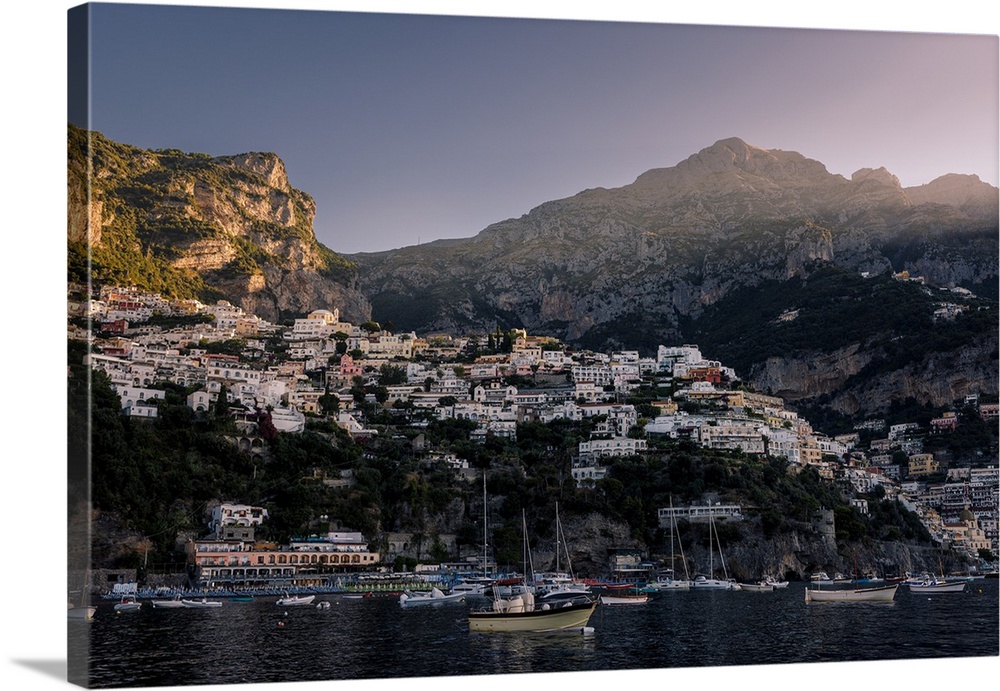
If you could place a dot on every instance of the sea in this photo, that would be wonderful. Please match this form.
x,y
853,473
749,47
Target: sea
x,y
375,638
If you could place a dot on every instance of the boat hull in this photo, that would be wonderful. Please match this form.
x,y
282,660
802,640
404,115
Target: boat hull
x,y
201,604
424,600
929,588
884,594
535,621
624,599
758,587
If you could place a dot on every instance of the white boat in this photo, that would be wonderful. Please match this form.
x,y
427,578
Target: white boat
x,y
434,597
174,603
558,585
203,603
471,586
758,587
703,582
932,585
624,598
820,577
770,580
293,600
665,582
880,594
709,581
84,613
519,614
128,603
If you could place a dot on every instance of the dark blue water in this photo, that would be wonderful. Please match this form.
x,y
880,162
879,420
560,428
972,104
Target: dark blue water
x,y
362,639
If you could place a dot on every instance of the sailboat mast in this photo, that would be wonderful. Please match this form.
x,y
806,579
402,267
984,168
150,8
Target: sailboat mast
x,y
672,526
558,535
485,512
711,549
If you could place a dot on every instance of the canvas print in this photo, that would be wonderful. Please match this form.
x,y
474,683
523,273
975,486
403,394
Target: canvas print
x,y
411,346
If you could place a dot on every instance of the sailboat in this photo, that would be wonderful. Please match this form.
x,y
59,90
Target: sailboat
x,y
709,581
557,585
519,613
878,594
666,580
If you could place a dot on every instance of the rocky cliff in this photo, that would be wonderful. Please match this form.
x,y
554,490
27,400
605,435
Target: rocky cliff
x,y
641,264
216,227
681,238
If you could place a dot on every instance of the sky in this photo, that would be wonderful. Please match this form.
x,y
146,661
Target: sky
x,y
658,119
409,128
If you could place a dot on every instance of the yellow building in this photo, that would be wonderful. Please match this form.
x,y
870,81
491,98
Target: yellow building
x,y
923,464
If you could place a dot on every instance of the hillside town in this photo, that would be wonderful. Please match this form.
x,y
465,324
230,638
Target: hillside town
x,y
320,365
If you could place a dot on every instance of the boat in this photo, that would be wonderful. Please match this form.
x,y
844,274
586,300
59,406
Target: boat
x,y
203,603
932,585
778,585
241,598
434,597
519,614
558,585
703,582
761,586
665,580
820,577
624,598
83,613
174,603
128,603
884,593
472,586
294,600
709,581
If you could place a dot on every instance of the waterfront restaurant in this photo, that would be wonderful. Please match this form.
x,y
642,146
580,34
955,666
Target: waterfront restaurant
x,y
308,562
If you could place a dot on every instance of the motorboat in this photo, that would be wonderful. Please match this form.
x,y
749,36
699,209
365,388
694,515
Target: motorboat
x,y
820,577
203,603
778,585
174,603
665,581
519,614
293,600
471,586
703,582
624,598
761,586
884,593
128,603
932,585
434,597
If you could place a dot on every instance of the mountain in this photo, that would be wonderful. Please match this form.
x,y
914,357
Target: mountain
x,y
192,225
646,263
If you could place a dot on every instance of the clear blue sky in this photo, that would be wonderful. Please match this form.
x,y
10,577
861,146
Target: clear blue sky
x,y
409,128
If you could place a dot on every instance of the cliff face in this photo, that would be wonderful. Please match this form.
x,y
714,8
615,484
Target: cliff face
x,y
641,264
228,226
679,239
